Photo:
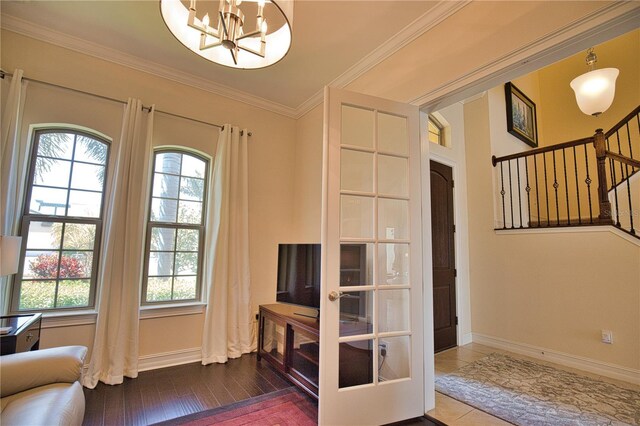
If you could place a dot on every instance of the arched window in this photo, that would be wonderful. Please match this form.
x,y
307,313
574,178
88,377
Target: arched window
x,y
175,229
436,131
62,221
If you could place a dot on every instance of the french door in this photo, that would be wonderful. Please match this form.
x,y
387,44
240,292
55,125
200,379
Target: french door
x,y
371,319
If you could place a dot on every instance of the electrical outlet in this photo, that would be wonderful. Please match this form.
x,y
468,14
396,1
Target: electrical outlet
x,y
382,347
607,337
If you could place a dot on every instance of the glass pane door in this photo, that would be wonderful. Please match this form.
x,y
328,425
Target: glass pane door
x,y
371,328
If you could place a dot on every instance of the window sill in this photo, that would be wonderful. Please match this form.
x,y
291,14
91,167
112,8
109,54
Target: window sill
x,y
88,317
148,312
68,319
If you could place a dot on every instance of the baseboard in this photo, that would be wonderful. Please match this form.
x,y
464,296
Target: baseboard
x,y
168,359
581,363
465,339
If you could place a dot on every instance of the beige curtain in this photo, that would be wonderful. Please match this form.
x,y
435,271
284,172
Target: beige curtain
x,y
228,326
115,346
13,165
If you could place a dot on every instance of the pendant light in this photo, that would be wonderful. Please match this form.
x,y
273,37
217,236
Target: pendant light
x,y
595,89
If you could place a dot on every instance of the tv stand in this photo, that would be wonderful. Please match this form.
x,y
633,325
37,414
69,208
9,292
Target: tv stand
x,y
288,339
307,315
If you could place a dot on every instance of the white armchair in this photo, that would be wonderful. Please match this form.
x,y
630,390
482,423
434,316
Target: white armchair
x,y
42,387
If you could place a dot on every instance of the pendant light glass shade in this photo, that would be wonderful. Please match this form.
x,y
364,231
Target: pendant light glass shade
x,y
595,90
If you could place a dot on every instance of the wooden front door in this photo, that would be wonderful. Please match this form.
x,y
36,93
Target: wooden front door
x,y
443,254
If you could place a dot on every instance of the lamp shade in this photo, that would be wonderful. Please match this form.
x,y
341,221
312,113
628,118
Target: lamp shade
x,y
595,90
9,255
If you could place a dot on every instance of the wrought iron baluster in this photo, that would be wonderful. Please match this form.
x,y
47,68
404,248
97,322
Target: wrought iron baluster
x,y
628,179
535,168
612,171
566,185
615,192
633,169
528,189
504,216
511,194
588,182
555,187
575,169
519,190
620,152
625,176
546,187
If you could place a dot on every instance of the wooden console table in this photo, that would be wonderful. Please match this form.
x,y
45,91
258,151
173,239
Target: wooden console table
x,y
24,335
290,342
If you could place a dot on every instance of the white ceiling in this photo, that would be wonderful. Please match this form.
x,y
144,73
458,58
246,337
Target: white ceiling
x,y
329,37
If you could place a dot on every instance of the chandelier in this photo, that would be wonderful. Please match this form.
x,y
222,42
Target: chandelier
x,y
595,89
245,34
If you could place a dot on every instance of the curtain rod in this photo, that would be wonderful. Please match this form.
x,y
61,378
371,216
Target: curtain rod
x,y
46,83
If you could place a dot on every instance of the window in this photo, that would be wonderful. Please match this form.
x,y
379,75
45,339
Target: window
x,y
436,131
62,221
175,230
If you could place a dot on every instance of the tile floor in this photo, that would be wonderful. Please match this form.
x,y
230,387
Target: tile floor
x,y
456,413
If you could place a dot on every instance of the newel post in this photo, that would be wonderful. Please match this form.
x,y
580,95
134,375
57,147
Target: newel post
x,y
603,189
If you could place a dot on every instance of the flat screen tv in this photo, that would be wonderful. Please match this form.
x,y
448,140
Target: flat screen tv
x,y
299,274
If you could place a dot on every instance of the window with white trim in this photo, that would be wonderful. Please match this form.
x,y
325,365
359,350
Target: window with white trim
x,y
175,228
62,221
436,131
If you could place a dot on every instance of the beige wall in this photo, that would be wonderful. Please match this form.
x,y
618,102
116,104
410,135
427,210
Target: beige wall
x,y
307,208
554,291
271,153
541,290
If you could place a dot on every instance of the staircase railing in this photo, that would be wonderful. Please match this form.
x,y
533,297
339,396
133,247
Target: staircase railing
x,y
567,184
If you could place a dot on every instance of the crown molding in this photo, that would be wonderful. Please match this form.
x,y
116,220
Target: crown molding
x,y
415,29
603,24
66,41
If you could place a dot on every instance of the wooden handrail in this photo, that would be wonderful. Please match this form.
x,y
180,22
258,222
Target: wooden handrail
x,y
495,160
623,122
621,158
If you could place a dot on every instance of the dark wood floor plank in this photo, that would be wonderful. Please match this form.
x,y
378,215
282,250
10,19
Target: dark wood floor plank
x,y
174,407
163,394
235,372
247,366
274,378
153,410
207,398
134,414
190,403
114,405
219,376
94,406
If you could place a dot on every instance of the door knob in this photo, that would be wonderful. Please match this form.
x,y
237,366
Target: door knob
x,y
335,295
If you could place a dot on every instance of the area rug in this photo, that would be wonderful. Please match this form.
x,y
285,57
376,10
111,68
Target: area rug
x,y
528,393
287,407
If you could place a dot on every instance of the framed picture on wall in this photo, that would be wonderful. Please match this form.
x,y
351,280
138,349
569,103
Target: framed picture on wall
x,y
521,115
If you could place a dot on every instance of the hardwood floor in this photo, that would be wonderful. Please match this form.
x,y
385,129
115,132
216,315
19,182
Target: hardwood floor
x,y
167,393
172,392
